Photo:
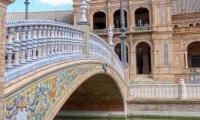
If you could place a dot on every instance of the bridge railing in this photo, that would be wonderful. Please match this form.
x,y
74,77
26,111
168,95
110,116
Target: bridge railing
x,y
42,43
118,65
165,91
99,48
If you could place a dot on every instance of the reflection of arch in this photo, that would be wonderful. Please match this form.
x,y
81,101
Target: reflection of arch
x,y
99,20
118,51
193,50
142,16
116,18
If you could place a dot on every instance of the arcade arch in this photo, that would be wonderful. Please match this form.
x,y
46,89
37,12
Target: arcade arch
x,y
116,19
193,50
99,20
143,58
142,17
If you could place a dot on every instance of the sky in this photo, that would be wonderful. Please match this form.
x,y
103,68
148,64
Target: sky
x,y
40,5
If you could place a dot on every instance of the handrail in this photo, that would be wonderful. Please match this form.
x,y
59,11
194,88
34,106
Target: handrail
x,y
51,42
128,30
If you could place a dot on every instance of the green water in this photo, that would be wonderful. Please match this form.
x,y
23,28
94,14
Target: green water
x,y
128,118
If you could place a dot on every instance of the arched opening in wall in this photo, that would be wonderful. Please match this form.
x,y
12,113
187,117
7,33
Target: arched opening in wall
x,y
191,25
143,57
194,54
99,20
118,51
97,94
197,25
116,18
175,26
142,17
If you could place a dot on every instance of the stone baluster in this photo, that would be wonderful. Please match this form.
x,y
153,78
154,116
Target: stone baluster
x,y
29,45
75,40
63,41
44,42
81,44
35,42
23,46
17,47
78,42
59,40
9,48
40,42
70,41
48,41
56,40
52,40
67,40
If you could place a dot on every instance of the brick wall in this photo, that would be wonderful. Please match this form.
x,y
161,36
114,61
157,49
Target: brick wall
x,y
3,5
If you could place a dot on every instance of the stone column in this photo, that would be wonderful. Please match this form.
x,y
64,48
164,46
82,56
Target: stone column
x,y
145,68
40,42
44,42
9,50
3,5
131,16
52,40
186,59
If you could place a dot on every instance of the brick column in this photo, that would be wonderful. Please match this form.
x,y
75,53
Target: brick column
x,y
3,5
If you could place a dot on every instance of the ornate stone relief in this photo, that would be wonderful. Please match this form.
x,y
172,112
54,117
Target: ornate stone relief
x,y
166,54
164,13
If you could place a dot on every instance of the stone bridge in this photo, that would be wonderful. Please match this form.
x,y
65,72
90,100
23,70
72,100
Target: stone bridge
x,y
56,69
52,61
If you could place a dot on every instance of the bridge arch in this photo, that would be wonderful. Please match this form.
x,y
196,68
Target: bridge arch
x,y
67,103
62,80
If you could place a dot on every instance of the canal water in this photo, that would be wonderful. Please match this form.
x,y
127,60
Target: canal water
x,y
128,118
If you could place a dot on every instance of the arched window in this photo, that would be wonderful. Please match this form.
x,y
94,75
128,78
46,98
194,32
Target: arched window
x,y
142,17
116,18
175,26
194,54
191,25
99,20
197,25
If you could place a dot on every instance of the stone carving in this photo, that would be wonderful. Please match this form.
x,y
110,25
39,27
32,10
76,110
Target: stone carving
x,y
164,14
197,70
166,62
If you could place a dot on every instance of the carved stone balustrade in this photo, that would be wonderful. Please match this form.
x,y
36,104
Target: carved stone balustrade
x,y
165,91
99,49
38,43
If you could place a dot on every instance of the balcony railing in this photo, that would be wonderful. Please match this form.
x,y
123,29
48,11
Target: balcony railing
x,y
128,30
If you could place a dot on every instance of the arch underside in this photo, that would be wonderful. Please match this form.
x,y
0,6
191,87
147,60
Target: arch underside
x,y
98,93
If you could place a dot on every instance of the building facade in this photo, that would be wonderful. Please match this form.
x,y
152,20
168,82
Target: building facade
x,y
162,36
